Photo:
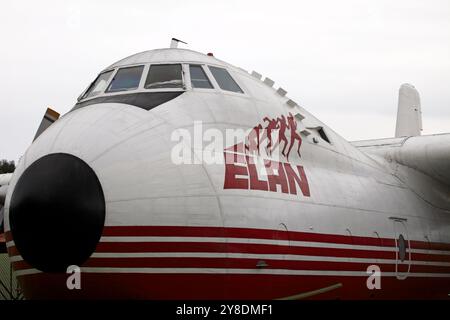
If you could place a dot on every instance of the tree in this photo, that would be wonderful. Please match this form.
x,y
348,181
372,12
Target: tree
x,y
7,166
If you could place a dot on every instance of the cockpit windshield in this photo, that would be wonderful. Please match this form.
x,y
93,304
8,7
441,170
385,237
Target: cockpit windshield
x,y
137,81
99,85
164,76
224,79
198,77
126,79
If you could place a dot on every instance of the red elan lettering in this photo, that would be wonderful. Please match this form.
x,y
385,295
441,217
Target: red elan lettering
x,y
278,178
232,170
294,179
242,172
255,183
250,164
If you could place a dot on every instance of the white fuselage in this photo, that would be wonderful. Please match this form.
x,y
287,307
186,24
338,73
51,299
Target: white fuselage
x,y
357,206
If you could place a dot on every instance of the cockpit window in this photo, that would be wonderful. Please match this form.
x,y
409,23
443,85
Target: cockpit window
x,y
199,78
126,79
99,85
224,80
164,76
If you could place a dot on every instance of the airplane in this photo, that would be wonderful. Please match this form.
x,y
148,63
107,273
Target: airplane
x,y
140,186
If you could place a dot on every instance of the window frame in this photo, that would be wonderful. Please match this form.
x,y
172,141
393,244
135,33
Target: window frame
x,y
216,84
183,78
208,77
83,95
186,79
107,90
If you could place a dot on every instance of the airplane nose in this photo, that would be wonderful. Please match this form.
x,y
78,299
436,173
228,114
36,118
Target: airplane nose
x,y
57,212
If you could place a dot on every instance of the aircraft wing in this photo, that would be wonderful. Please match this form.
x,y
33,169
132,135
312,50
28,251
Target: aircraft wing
x,y
49,117
428,154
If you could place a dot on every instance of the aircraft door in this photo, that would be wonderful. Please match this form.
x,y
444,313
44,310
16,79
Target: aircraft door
x,y
402,244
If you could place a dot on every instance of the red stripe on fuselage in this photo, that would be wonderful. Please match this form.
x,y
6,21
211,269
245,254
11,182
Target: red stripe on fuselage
x,y
230,232
241,263
246,263
256,249
253,233
227,286
238,286
248,248
319,255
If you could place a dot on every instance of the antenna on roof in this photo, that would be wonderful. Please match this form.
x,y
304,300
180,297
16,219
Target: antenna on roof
x,y
174,43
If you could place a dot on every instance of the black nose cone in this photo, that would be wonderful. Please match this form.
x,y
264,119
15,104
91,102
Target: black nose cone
x,y
57,212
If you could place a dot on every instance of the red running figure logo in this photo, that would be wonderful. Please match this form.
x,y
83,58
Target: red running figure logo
x,y
247,168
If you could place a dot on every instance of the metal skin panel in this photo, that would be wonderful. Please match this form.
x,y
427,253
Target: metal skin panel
x,y
166,55
352,194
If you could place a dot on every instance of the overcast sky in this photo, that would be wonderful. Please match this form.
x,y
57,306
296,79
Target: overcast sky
x,y
342,60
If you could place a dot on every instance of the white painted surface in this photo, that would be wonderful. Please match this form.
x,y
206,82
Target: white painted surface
x,y
129,149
